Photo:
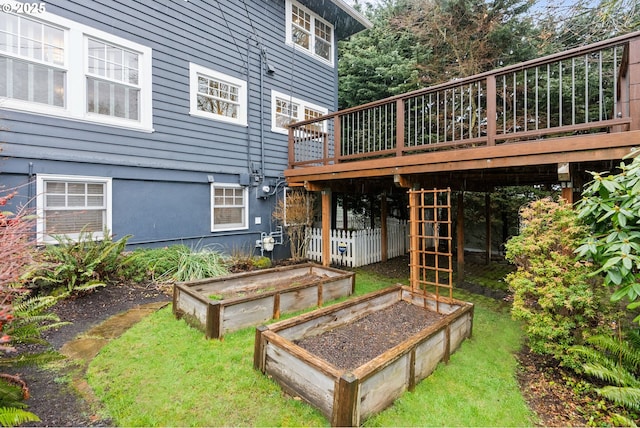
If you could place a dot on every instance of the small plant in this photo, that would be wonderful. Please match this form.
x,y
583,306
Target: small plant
x,y
188,265
616,361
557,297
296,213
216,297
261,262
22,318
75,266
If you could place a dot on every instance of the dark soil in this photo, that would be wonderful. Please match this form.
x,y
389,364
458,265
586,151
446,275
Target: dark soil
x,y
58,404
53,399
356,343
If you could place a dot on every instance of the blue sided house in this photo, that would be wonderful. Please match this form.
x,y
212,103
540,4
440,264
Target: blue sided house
x,y
165,119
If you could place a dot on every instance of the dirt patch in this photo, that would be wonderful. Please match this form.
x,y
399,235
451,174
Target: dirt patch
x,y
358,342
63,404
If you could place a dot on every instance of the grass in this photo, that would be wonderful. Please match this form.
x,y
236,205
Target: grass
x,y
163,373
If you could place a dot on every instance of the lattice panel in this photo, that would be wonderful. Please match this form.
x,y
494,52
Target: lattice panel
x,y
431,252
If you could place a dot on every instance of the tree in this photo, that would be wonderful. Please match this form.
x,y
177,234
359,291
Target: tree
x,y
380,62
466,37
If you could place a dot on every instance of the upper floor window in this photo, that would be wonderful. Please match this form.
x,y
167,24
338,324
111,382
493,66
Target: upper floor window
x,y
70,205
112,80
54,66
217,96
309,32
32,61
286,109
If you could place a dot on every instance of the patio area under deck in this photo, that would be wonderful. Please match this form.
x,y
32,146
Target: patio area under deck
x,y
556,118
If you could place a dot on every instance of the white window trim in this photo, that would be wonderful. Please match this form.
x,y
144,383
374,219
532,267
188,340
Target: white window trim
x,y
245,202
42,237
75,37
303,104
311,51
194,71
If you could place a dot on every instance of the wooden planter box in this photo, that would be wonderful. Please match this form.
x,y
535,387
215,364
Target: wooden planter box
x,y
347,398
257,296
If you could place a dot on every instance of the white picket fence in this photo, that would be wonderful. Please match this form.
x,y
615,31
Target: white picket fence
x,y
362,247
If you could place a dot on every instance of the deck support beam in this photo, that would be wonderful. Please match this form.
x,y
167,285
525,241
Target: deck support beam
x,y
383,228
487,221
460,236
326,227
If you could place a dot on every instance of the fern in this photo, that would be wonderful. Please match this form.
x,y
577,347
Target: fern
x,y
615,374
30,359
623,351
10,416
615,360
625,396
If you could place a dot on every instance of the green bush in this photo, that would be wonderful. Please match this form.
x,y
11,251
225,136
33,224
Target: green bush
x,y
178,263
72,266
261,262
611,206
557,297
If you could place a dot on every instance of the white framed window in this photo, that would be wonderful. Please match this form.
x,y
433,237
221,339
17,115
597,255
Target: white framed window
x,y
308,32
68,205
53,66
229,207
286,110
215,95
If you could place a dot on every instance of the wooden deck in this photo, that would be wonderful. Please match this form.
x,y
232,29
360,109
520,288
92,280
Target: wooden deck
x,y
574,111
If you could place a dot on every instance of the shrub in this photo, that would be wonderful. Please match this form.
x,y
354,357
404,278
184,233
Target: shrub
x,y
616,361
296,213
557,297
611,205
22,318
73,266
261,262
180,263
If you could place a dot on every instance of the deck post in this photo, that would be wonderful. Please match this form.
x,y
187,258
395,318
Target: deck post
x,y
326,227
337,149
460,233
487,220
292,154
383,228
399,127
634,83
492,111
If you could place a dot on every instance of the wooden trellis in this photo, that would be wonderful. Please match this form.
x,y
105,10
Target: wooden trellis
x,y
431,254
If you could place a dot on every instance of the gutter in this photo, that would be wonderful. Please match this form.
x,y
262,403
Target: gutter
x,y
353,13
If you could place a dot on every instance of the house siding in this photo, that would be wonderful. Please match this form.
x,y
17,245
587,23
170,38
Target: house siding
x,y
161,189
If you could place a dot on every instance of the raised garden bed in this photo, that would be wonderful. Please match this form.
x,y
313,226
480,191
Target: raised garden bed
x,y
349,395
224,304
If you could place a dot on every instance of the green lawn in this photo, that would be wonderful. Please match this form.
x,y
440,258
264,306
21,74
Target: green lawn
x,y
161,372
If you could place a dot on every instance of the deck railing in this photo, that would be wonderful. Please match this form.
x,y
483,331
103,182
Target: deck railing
x,y
583,90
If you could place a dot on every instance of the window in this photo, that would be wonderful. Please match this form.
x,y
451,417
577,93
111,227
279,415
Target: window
x,y
68,205
50,65
286,110
229,204
112,81
309,32
217,96
31,61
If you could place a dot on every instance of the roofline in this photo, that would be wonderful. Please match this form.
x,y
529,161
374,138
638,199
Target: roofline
x,y
353,13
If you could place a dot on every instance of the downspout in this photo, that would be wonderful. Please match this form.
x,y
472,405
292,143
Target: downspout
x,y
248,71
261,114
